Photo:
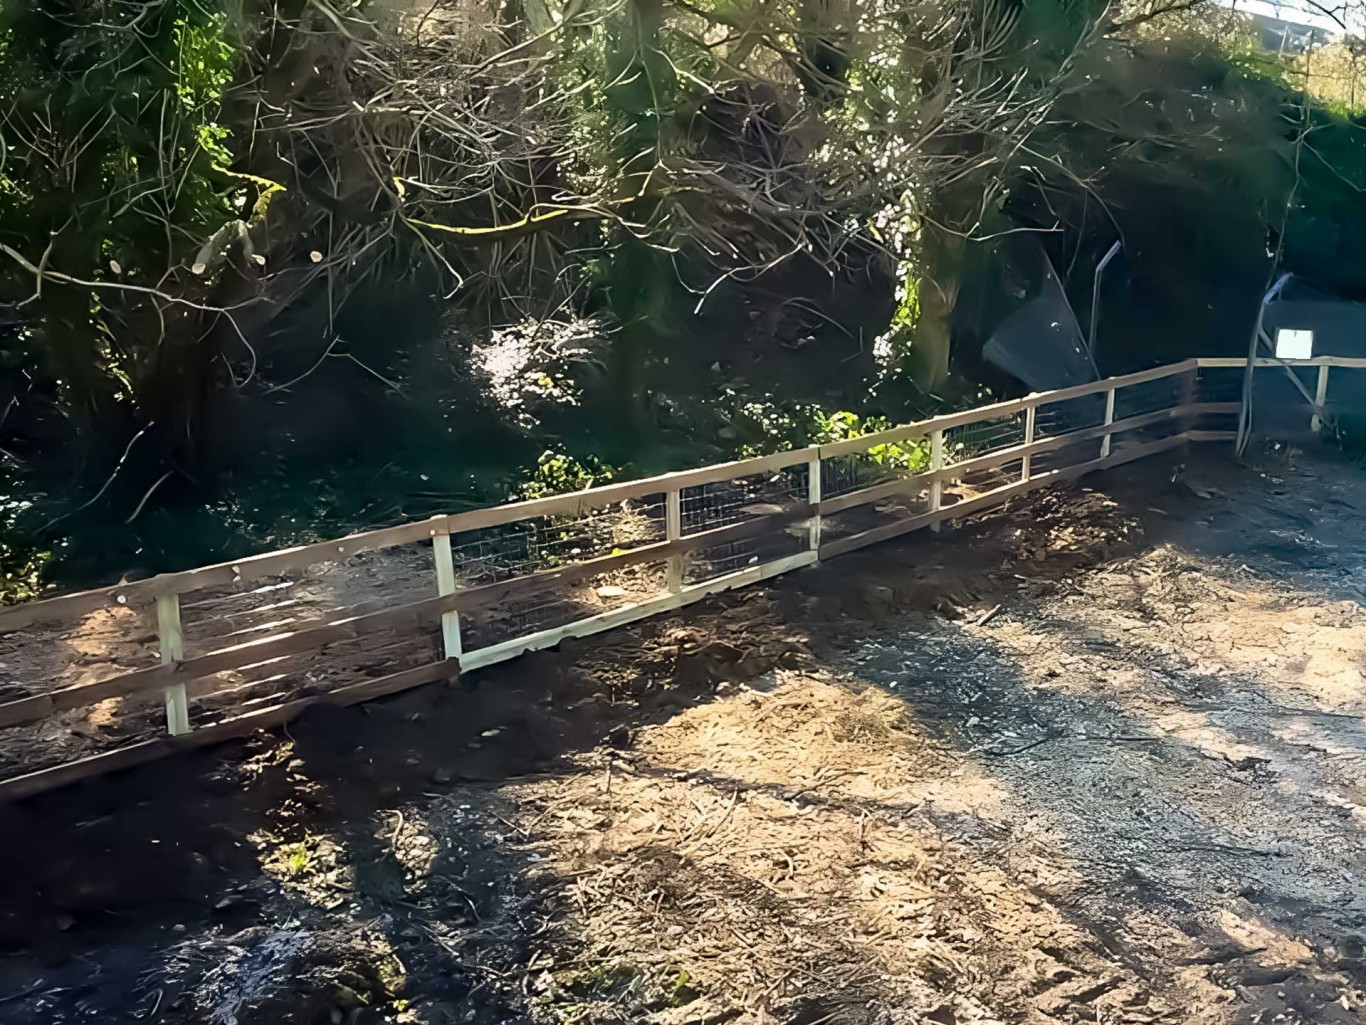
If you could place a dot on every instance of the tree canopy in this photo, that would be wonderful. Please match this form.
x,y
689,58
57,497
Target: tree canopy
x,y
223,225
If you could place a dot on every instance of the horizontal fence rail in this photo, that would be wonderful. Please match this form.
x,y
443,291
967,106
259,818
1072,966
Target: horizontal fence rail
x,y
112,677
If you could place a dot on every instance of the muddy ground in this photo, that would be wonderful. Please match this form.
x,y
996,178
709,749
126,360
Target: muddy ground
x,y
1099,757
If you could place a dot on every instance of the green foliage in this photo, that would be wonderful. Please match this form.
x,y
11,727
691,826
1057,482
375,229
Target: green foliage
x,y
110,138
795,425
893,346
903,456
627,163
683,991
204,68
551,543
22,563
560,474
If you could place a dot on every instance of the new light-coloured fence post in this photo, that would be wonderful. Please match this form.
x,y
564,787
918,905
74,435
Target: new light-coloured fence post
x,y
1025,463
673,530
171,637
445,584
1187,392
936,464
1109,419
813,495
1320,396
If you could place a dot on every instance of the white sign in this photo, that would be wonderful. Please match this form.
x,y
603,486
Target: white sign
x,y
1294,344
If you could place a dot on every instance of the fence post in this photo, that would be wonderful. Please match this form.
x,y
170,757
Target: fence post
x,y
1320,396
936,464
171,637
1030,414
445,584
1187,393
813,495
1109,419
673,530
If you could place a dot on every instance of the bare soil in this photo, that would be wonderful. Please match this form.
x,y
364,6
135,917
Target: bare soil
x,y
1098,757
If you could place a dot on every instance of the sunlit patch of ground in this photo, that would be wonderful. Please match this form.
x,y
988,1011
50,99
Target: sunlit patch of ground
x,y
813,846
1098,758
1123,795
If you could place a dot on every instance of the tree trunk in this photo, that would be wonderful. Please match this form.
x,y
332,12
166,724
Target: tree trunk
x,y
942,259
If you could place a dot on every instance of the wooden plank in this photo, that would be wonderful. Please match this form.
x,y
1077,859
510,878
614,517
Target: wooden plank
x,y
412,616
631,613
673,530
813,498
1320,399
999,410
42,780
583,502
46,779
446,584
256,567
659,551
995,497
16,617
1107,439
1229,362
32,783
936,474
991,460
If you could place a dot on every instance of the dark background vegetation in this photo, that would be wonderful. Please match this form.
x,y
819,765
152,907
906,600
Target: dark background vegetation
x,y
278,271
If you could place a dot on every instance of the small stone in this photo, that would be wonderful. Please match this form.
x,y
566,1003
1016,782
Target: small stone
x,y
443,775
879,594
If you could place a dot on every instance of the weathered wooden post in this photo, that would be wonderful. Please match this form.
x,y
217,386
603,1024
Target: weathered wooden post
x,y
1031,415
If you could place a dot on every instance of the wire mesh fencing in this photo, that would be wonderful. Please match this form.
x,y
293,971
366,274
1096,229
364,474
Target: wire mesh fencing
x,y
374,607
526,547
978,439
711,506
88,650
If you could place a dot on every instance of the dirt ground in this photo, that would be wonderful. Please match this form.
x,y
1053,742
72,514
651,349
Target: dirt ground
x,y
1099,757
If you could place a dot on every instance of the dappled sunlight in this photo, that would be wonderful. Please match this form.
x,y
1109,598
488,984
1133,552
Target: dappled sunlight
x,y
1228,619
1273,945
814,828
1127,810
1179,654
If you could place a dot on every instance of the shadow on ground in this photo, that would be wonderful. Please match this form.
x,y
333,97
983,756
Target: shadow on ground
x,y
1090,821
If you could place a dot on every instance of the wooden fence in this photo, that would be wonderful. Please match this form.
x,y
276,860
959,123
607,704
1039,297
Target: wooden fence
x,y
504,581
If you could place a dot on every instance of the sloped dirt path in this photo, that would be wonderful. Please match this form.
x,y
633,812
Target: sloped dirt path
x,y
1098,758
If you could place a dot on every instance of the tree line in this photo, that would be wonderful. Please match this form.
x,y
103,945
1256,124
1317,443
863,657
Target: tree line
x,y
210,211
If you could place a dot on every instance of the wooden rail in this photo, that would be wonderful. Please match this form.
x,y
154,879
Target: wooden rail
x,y
270,564
804,520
